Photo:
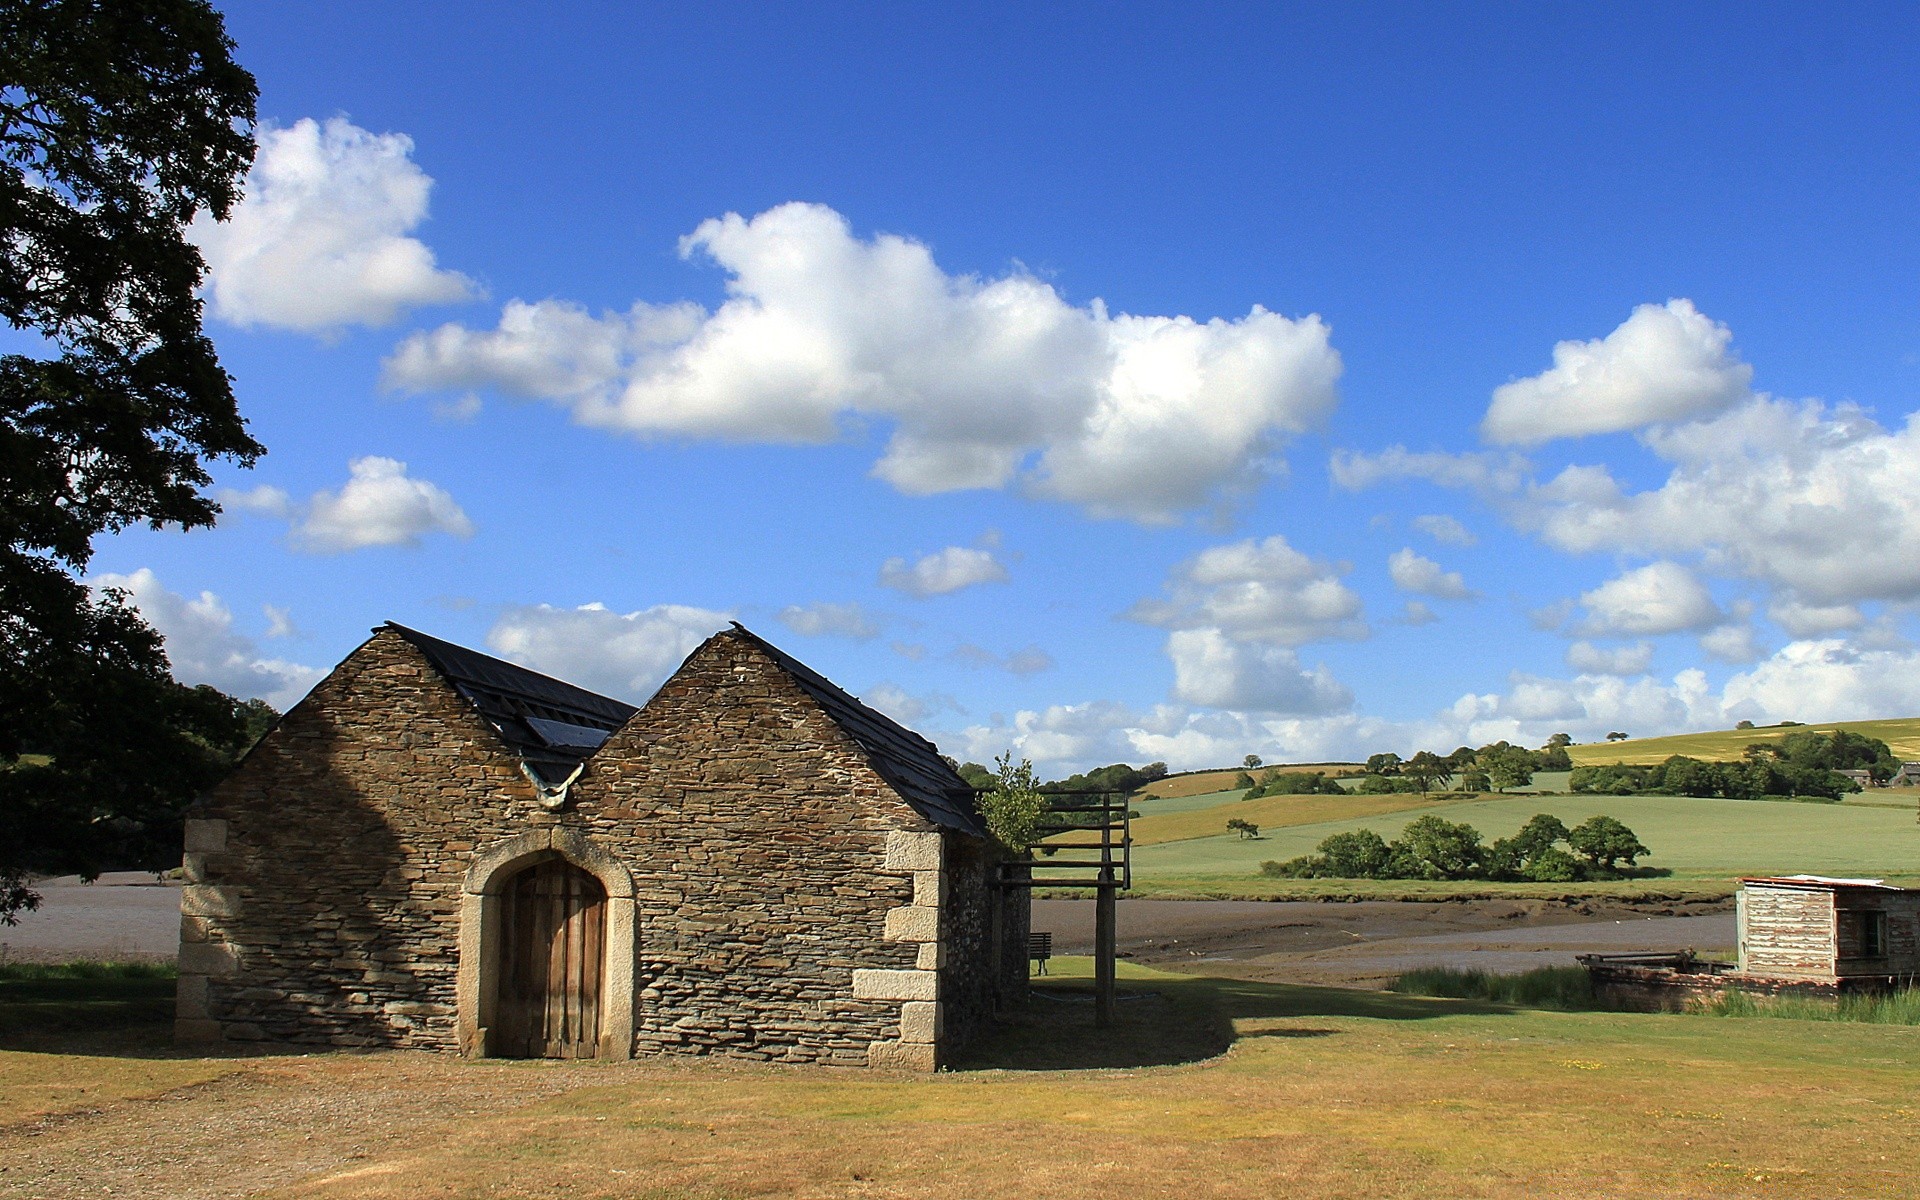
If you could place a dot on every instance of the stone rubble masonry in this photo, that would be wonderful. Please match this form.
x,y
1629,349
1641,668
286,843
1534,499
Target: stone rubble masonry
x,y
786,903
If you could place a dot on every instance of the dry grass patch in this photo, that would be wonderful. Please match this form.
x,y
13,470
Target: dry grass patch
x,y
1319,1093
1271,812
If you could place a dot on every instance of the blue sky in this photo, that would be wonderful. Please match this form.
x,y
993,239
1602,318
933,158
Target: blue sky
x,y
1130,383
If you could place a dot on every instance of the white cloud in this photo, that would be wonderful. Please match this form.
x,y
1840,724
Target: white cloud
x,y
1029,660
1665,363
1826,680
264,500
1444,529
1814,620
905,707
1416,613
1661,597
824,619
942,572
987,382
319,240
1589,659
1255,590
1819,502
1736,643
1487,471
204,647
379,506
1415,573
279,621
1213,670
626,655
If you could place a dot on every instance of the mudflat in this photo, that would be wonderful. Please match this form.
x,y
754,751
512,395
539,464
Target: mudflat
x,y
1366,943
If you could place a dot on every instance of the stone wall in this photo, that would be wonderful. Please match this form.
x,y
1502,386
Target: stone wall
x,y
787,904
323,877
758,836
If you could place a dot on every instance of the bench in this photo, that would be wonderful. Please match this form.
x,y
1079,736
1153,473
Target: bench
x,y
1039,950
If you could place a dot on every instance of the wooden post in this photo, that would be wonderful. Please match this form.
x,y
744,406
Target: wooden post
x,y
1103,949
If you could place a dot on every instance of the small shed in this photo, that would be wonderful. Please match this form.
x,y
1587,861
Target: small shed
x,y
1842,933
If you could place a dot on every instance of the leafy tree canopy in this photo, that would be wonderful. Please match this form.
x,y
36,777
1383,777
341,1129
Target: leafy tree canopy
x,y
120,122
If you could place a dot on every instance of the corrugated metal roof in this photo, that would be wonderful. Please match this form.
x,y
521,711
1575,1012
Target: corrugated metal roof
x,y
552,726
909,762
1819,881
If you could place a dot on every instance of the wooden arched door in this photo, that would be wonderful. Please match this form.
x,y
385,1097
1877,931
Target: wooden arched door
x,y
553,936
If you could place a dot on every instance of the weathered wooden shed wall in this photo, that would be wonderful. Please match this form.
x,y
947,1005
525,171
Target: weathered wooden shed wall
x,y
1828,930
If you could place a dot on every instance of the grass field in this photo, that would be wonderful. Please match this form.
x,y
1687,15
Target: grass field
x,y
1697,839
1902,736
1319,1094
1204,816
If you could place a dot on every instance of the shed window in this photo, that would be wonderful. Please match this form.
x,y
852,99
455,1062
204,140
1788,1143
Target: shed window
x,y
1863,934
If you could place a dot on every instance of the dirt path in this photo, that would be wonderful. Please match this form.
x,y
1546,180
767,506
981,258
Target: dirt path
x,y
270,1123
1366,944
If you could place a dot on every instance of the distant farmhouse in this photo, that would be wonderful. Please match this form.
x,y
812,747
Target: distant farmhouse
x,y
1907,776
439,849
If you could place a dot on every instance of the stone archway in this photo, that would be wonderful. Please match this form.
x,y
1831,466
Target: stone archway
x,y
481,905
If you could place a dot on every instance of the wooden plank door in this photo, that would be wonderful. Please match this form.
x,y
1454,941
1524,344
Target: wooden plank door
x,y
553,942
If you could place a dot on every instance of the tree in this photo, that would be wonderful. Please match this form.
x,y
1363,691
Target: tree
x,y
1246,829
1507,766
1559,741
1440,849
119,124
1424,768
1616,736
1383,764
1250,761
1605,842
1744,725
1361,854
1014,808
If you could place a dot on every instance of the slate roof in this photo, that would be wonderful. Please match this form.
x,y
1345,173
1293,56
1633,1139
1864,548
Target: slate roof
x,y
909,762
552,726
555,726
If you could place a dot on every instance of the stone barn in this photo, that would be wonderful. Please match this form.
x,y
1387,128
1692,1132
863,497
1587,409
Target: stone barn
x,y
442,850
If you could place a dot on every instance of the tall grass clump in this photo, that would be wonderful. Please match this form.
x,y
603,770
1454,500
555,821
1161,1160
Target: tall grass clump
x,y
1543,987
1889,1008
25,972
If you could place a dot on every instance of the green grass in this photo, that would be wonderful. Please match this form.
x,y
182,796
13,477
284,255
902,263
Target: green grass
x,y
1902,736
1691,839
1569,989
1565,988
112,1006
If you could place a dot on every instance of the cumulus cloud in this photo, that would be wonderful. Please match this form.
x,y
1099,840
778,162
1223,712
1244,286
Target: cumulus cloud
x,y
380,505
626,655
942,572
204,647
319,241
1422,576
1257,590
834,620
1661,597
1736,642
1444,529
1416,613
1814,620
986,383
1213,670
1816,501
1665,363
1589,659
1029,660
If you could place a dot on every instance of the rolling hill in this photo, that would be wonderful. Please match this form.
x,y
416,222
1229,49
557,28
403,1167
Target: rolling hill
x,y
1902,736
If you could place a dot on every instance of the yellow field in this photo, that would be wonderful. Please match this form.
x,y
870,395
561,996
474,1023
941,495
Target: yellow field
x,y
1201,782
1902,736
